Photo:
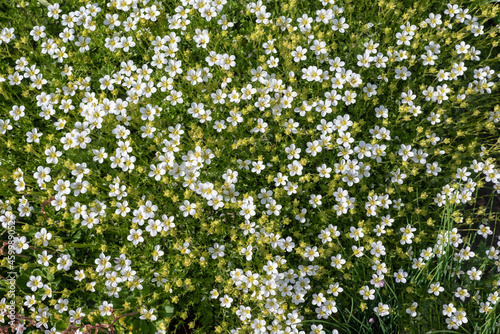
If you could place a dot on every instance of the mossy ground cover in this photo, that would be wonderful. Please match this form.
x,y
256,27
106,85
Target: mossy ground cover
x,y
222,166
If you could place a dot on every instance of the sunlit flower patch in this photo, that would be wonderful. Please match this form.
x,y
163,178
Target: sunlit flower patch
x,y
249,167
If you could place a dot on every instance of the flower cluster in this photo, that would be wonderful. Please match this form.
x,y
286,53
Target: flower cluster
x,y
275,165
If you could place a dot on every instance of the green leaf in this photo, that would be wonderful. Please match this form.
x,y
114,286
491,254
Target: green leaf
x,y
37,272
141,326
166,311
152,327
44,2
61,325
77,236
169,309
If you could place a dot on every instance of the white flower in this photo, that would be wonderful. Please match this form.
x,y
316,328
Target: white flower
x,y
67,35
474,274
311,253
412,310
201,38
313,148
377,249
315,200
339,25
184,249
157,252
382,309
349,97
485,307
188,208
247,252
462,48
64,262
299,54
460,316
53,11
30,301
219,125
367,293
135,236
405,152
364,60
273,62
33,136
335,289
402,73
494,297
258,167
324,171
434,118
492,253
449,309
20,244
214,294
34,283
337,261
75,316
38,32
435,289
43,236
80,275
223,21
83,43
428,59
44,258
226,301
295,168
484,231
356,233
370,90
102,262
234,117
157,171
175,97
244,313
358,252
433,168
401,276
112,21
217,251
106,309
434,20
148,314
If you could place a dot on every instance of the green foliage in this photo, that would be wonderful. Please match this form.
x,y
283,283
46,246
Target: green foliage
x,y
173,172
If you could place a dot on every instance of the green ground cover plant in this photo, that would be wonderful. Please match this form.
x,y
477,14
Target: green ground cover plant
x,y
222,166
